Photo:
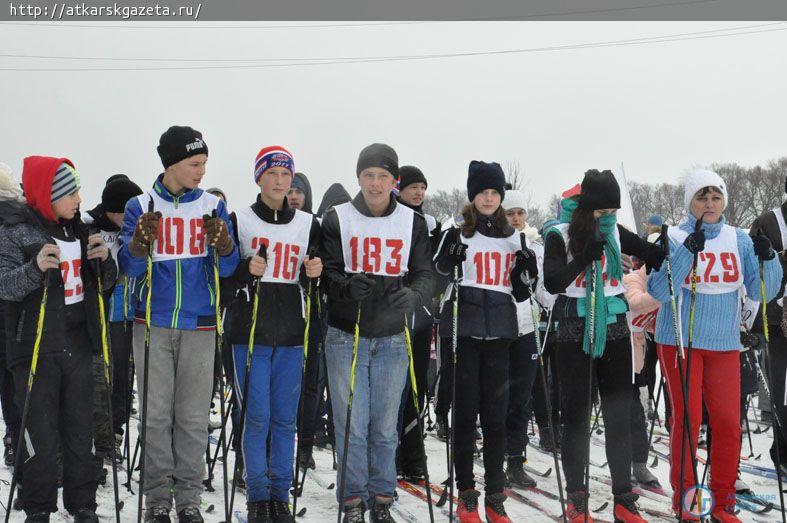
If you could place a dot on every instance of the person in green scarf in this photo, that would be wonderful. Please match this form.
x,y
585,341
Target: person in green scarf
x,y
582,265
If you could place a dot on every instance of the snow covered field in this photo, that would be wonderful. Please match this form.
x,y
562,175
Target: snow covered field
x,y
320,501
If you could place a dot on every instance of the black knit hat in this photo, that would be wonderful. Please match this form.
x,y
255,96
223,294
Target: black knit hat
x,y
179,143
116,194
482,176
409,175
378,155
115,177
600,190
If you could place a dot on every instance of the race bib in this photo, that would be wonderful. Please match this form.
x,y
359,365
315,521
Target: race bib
x,y
71,271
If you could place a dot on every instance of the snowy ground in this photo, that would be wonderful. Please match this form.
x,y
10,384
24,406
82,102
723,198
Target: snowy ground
x,y
320,501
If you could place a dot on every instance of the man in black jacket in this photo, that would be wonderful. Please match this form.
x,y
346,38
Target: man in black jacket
x,y
772,224
377,272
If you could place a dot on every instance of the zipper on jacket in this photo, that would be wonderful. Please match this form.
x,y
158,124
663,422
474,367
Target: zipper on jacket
x,y
178,294
175,200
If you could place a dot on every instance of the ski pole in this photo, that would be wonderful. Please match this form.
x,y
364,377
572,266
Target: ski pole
x,y
777,435
105,350
263,253
682,357
50,275
537,333
299,484
219,337
145,368
414,388
346,445
655,412
452,432
591,347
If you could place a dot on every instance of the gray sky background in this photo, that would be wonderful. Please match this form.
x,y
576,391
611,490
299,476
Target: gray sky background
x,y
659,108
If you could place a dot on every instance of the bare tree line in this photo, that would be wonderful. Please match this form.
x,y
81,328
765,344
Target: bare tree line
x,y
751,191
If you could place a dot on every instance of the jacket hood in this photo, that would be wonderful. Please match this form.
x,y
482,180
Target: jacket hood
x,y
307,206
335,195
37,175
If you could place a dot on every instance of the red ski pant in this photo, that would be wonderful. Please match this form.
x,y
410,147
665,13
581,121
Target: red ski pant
x,y
716,380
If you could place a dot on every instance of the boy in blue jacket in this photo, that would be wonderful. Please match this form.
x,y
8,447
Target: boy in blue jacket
x,y
182,315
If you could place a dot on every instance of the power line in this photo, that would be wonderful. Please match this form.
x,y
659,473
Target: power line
x,y
60,25
653,40
356,58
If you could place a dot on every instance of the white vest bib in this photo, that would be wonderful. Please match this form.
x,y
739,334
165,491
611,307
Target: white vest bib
x,y
286,243
719,265
577,288
180,233
489,262
782,226
379,245
71,270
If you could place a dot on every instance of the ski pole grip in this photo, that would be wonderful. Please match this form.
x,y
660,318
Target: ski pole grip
x,y
698,225
263,252
664,238
150,205
312,252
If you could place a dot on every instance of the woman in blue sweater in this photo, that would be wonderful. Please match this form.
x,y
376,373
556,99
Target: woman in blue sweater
x,y
727,259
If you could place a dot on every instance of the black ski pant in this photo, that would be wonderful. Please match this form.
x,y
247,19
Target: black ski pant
x,y
120,341
482,379
651,361
410,451
613,376
311,392
777,370
60,419
522,372
639,428
538,402
11,413
443,405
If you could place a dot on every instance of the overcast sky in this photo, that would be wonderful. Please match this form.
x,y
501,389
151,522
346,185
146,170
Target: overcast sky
x,y
658,108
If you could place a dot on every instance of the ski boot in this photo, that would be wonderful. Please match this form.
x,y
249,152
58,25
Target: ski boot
x,y
516,474
577,510
307,458
354,511
381,511
626,509
495,511
190,515
724,515
8,454
442,429
547,441
38,517
467,510
157,515
85,515
258,512
280,512
643,476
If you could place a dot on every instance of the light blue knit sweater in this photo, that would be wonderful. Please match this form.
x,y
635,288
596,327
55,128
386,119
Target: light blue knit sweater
x,y
717,317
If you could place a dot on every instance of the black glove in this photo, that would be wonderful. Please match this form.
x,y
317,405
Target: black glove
x,y
593,251
695,242
359,287
519,288
404,300
654,259
762,248
452,253
526,261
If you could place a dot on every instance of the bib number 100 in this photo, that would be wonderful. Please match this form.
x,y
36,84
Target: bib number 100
x,y
376,255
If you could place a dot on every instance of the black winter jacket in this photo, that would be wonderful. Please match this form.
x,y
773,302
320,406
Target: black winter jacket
x,y
22,235
377,318
483,313
280,310
767,225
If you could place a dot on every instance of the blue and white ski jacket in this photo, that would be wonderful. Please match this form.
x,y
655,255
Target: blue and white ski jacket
x,y
183,294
